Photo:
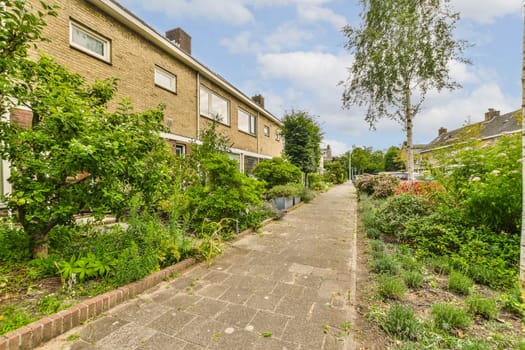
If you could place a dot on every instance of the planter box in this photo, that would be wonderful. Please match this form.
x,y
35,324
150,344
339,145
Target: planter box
x,y
282,203
296,200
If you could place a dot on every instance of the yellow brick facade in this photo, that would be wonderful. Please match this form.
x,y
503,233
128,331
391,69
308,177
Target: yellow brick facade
x,y
135,52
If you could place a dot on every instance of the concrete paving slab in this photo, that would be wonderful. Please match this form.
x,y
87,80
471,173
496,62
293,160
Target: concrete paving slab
x,y
127,337
266,322
159,341
236,315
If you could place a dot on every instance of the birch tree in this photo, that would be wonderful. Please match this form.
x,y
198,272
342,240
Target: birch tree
x,y
522,250
402,49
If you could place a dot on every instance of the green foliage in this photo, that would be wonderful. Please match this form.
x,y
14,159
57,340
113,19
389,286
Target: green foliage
x,y
486,182
400,323
277,171
303,136
484,307
133,264
49,305
289,190
218,190
459,283
13,318
447,317
366,160
413,279
475,345
393,160
398,210
513,303
336,171
14,244
385,264
391,287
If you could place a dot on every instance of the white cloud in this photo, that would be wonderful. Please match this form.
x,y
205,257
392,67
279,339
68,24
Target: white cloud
x,y
338,148
314,13
487,11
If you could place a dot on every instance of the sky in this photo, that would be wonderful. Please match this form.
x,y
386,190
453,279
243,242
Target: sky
x,y
292,52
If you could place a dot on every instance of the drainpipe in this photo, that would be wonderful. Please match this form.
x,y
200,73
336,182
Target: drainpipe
x,y
198,106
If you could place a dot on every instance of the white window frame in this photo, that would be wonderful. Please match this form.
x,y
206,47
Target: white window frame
x,y
162,73
106,43
180,150
252,122
266,131
277,136
210,96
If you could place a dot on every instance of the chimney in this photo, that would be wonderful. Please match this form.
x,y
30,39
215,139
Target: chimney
x,y
491,114
259,99
180,38
442,131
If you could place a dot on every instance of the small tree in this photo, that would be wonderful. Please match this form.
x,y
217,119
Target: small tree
x,y
393,160
402,49
302,136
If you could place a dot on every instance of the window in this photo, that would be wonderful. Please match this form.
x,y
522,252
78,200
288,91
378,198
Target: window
x,y
88,41
180,150
165,79
247,122
277,136
266,131
214,106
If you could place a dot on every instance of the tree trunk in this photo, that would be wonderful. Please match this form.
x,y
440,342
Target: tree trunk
x,y
522,250
409,126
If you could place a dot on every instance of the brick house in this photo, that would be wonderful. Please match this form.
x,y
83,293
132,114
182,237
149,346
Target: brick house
x,y
99,39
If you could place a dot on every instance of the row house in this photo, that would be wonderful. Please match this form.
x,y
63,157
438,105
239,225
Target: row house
x,y
99,39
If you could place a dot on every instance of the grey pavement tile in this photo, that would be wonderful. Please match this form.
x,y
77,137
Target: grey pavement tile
x,y
214,276
236,295
292,306
140,311
197,272
202,331
326,314
234,339
98,329
334,342
207,307
235,315
191,346
309,280
126,338
171,322
265,321
213,290
246,281
181,301
159,341
271,343
263,302
304,333
181,283
82,345
288,289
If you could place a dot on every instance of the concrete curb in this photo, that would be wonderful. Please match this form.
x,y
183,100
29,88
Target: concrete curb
x,y
39,332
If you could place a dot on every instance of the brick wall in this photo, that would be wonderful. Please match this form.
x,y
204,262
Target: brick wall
x,y
133,60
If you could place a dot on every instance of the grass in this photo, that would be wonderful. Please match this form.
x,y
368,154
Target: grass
x,y
447,317
391,287
413,279
484,307
385,264
459,283
400,322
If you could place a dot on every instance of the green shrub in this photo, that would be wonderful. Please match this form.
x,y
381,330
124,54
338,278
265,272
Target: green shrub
x,y
14,244
379,186
439,264
377,246
513,303
393,215
288,190
459,283
400,322
277,171
391,287
384,264
448,317
483,307
413,279
133,264
475,345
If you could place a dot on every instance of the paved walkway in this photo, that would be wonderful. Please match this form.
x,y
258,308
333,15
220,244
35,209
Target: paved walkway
x,y
289,287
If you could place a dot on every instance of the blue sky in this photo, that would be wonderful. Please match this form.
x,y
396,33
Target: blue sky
x,y
292,52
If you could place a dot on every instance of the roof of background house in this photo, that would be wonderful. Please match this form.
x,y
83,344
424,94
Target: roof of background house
x,y
491,127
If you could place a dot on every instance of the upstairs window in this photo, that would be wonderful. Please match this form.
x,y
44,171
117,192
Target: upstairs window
x,y
214,106
89,42
277,136
266,131
247,122
165,79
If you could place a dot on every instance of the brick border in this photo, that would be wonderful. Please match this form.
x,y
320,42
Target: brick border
x,y
39,332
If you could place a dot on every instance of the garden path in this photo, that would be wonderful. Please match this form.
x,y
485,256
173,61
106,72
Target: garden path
x,y
291,286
